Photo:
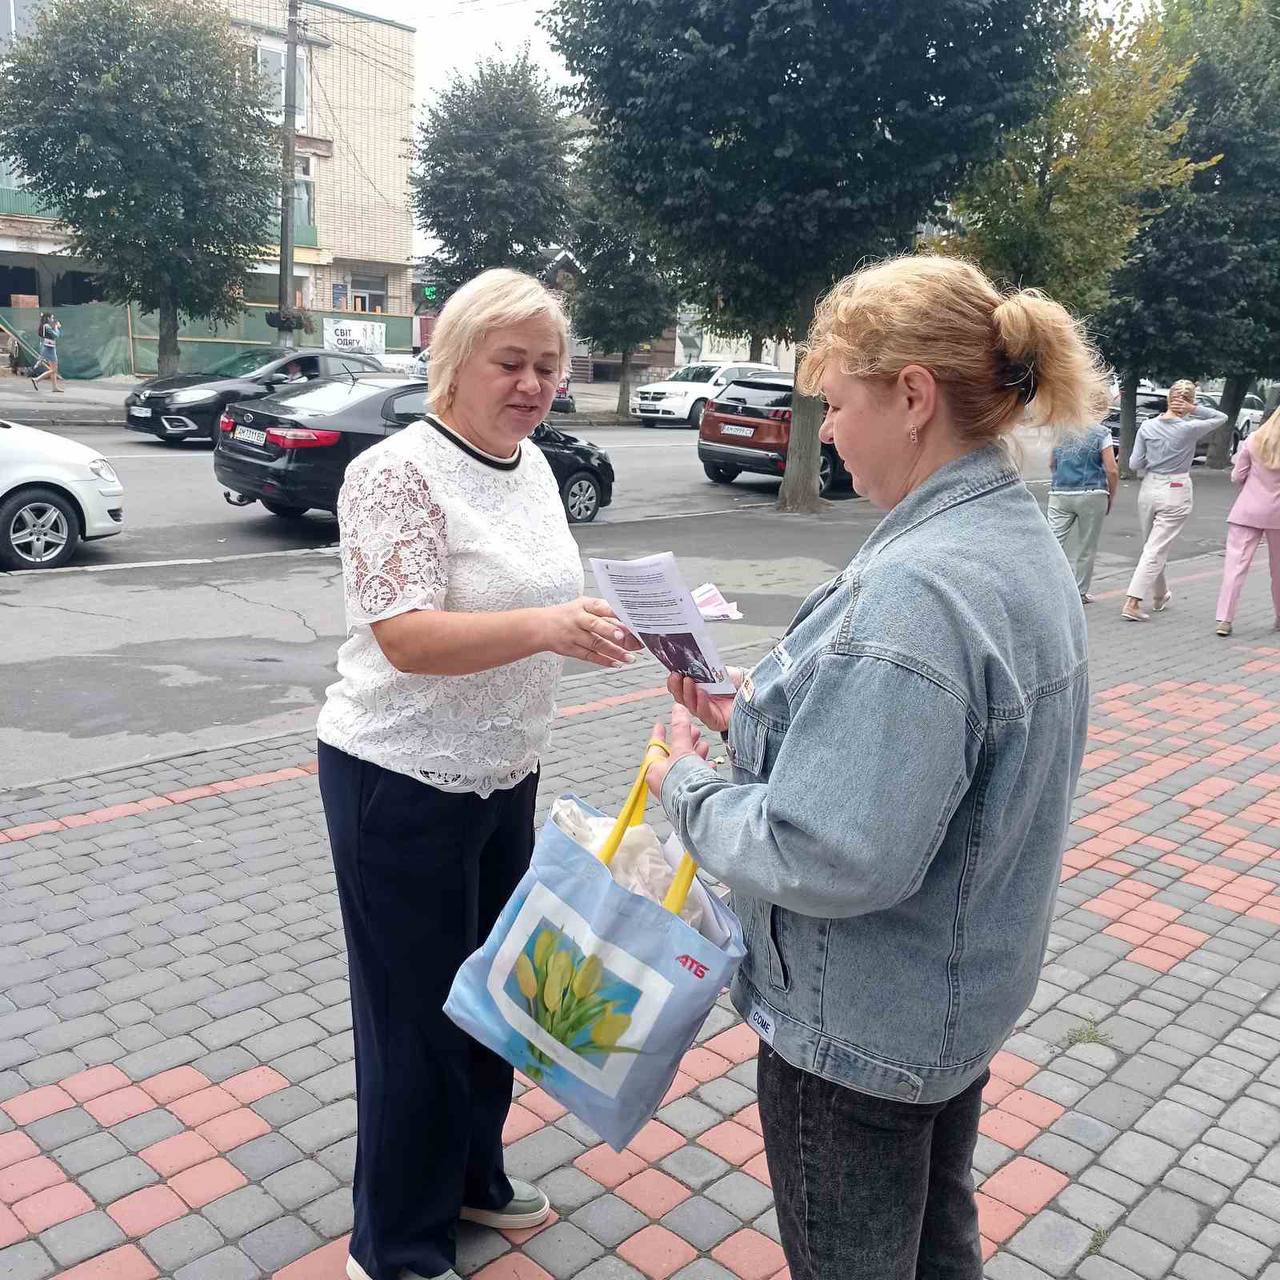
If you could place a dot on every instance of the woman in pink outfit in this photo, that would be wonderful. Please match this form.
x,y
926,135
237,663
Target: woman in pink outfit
x,y
1256,512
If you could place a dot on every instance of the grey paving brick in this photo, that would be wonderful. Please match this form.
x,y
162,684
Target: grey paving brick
x,y
1140,1253
1236,1144
225,1264
1085,1129
119,1178
704,1269
331,1214
1146,1075
1052,1242
1173,1219
569,1189
540,1152
1189,1183
610,1268
989,1155
579,1129
1221,1079
741,1194
611,1220
28,1261
90,1152
1261,1197
151,1126
340,1159
1060,1153
1113,1184
1096,1267
1114,1105
61,1128
1237,1251
278,1109
1090,1207
689,1117
299,1183
1137,1156
180,1241
1254,1120
266,1155
81,1238
726,1096
1174,1123
695,1166
477,1247
1007,1266
1254,1225
563,1249
702,1223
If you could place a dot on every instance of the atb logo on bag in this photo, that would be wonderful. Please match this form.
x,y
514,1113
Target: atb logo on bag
x,y
695,967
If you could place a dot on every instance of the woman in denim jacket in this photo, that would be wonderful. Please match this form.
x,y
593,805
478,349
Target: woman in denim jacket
x,y
903,764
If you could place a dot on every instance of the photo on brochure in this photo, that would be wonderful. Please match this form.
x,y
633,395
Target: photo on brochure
x,y
651,599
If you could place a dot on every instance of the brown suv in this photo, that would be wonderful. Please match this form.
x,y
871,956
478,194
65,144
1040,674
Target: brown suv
x,y
747,427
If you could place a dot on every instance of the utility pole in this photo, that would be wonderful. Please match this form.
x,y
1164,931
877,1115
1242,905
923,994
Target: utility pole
x,y
287,168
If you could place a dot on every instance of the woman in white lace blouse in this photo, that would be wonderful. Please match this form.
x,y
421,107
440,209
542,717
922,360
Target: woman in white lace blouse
x,y
463,597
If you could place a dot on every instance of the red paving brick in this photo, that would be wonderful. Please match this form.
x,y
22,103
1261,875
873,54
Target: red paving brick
x,y
524,1234
657,1252
126,1263
226,1132
120,1104
655,1142
738,1044
203,1183
25,1178
704,1066
750,1255
196,1108
11,1230
15,1147
1024,1184
95,1082
514,1266
249,1086
608,1167
681,1085
1041,1112
326,1263
146,1210
1010,1130
653,1192
35,1104
732,1142
520,1124
997,1221
1008,1066
758,1168
51,1206
543,1105
172,1155
171,1085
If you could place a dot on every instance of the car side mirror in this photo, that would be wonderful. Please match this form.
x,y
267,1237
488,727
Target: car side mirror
x,y
277,379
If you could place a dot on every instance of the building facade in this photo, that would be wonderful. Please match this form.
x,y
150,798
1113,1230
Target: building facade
x,y
352,222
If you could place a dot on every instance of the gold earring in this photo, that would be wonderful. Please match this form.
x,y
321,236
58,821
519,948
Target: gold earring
x,y
915,434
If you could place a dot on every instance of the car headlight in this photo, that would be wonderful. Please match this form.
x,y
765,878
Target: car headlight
x,y
101,468
192,395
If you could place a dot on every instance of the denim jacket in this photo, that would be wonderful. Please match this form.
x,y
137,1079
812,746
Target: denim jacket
x,y
903,765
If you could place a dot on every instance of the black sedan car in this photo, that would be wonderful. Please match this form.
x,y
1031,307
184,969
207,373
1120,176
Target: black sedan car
x,y
189,405
290,450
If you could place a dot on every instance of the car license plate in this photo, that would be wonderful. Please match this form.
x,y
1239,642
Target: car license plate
x,y
737,431
250,435
140,413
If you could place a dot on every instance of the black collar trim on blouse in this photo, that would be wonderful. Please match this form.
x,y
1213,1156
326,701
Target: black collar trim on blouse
x,y
498,464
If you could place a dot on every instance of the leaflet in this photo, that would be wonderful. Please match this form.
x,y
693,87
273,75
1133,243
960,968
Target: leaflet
x,y
651,599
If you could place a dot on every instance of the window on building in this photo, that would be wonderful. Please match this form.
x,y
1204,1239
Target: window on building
x,y
368,293
304,192
10,178
16,17
270,55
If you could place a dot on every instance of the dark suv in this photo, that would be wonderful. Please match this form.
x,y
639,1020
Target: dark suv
x,y
747,427
189,404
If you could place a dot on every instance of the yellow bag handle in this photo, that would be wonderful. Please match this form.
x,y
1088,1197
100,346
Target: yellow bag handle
x,y
632,815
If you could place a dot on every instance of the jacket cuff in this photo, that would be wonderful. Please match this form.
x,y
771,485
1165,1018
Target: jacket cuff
x,y
687,772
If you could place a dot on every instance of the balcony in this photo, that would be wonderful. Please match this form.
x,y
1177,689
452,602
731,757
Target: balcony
x,y
305,235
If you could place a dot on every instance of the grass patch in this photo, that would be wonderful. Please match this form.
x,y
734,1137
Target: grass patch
x,y
1086,1032
1099,1239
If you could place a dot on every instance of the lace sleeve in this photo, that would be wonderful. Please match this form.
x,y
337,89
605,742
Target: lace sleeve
x,y
393,537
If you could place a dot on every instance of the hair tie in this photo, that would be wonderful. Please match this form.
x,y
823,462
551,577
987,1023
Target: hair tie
x,y
1019,376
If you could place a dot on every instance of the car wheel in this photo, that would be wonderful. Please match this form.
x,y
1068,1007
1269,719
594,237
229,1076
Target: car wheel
x,y
648,422
174,442
720,474
39,529
695,414
581,494
826,473
284,510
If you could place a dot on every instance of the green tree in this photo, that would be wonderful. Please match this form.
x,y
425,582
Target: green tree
x,y
146,126
490,180
1069,191
624,298
1200,290
775,143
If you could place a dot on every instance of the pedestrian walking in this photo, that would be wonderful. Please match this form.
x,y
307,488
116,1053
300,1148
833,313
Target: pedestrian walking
x,y
463,598
49,331
1164,450
903,764
1254,515
1082,489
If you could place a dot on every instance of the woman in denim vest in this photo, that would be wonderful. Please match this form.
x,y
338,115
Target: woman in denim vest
x,y
903,764
1082,488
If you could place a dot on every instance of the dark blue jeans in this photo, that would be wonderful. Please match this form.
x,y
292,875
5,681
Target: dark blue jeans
x,y
422,877
868,1188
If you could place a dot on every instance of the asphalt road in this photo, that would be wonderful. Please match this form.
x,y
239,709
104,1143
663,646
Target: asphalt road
x,y
205,624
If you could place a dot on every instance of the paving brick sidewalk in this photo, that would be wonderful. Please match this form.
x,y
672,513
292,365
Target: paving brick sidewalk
x,y
175,1050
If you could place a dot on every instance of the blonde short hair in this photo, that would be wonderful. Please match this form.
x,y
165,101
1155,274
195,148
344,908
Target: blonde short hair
x,y
493,300
999,359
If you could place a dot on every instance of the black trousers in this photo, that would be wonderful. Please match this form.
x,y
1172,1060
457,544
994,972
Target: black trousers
x,y
868,1188
422,877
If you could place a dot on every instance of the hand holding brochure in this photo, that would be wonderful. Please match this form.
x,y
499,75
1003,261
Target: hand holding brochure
x,y
650,597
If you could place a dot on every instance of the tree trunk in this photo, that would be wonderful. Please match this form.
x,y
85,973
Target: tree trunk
x,y
624,384
799,493
757,348
1234,391
1128,421
167,355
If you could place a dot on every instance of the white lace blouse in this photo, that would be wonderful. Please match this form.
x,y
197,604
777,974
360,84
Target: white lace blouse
x,y
429,522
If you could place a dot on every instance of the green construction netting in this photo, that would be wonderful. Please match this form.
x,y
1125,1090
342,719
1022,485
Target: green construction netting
x,y
100,340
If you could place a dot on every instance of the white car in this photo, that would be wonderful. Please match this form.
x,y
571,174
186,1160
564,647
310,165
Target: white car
x,y
401,362
54,494
686,393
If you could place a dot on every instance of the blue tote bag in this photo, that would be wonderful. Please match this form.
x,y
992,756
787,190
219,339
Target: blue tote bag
x,y
595,992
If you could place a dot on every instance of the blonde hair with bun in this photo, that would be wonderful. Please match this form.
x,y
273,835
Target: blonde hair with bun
x,y
1000,359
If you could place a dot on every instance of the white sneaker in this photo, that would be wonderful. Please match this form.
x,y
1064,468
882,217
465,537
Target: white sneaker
x,y
528,1207
356,1272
